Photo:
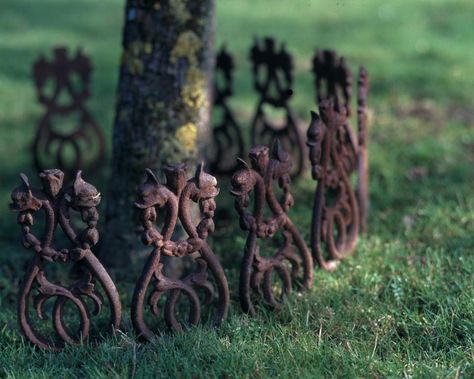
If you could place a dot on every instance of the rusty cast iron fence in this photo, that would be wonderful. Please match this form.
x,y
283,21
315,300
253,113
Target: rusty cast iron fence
x,y
58,204
292,262
273,80
176,196
339,210
272,72
336,152
63,87
262,200
228,139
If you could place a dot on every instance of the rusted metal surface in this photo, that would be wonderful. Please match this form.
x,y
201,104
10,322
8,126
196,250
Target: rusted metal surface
x,y
176,197
228,140
63,87
335,153
59,204
273,80
333,80
292,262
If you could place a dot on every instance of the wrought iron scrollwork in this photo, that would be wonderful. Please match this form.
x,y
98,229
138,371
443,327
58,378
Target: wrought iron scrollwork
x,y
36,289
228,140
175,197
335,153
273,80
63,87
292,262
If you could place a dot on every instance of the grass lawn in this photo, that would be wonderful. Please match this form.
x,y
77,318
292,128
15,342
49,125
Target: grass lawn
x,y
403,306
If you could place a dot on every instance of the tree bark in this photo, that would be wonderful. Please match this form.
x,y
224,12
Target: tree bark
x,y
163,105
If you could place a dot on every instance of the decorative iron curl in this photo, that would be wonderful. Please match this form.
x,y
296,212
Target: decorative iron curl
x,y
273,80
228,140
175,197
335,153
57,202
292,262
69,78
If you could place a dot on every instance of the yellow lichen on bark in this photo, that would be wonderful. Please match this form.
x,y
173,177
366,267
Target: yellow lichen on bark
x,y
131,58
180,11
193,92
187,49
187,46
187,136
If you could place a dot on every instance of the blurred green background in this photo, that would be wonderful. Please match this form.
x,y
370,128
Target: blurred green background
x,y
404,305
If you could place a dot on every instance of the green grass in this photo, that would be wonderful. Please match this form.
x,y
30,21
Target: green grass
x,y
403,306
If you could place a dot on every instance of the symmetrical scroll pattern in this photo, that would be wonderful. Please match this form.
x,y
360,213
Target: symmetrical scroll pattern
x,y
175,197
57,203
292,262
273,80
63,86
335,153
228,140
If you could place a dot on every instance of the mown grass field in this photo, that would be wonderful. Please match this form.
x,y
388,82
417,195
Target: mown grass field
x,y
403,306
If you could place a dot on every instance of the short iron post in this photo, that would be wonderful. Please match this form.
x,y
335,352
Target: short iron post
x,y
273,80
58,204
335,153
176,197
228,140
69,149
292,262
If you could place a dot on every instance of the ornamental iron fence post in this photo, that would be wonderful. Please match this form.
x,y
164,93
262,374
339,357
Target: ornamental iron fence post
x,y
63,87
273,80
292,262
59,204
176,196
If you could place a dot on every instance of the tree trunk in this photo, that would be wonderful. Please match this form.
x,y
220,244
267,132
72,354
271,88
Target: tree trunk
x,y
163,104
